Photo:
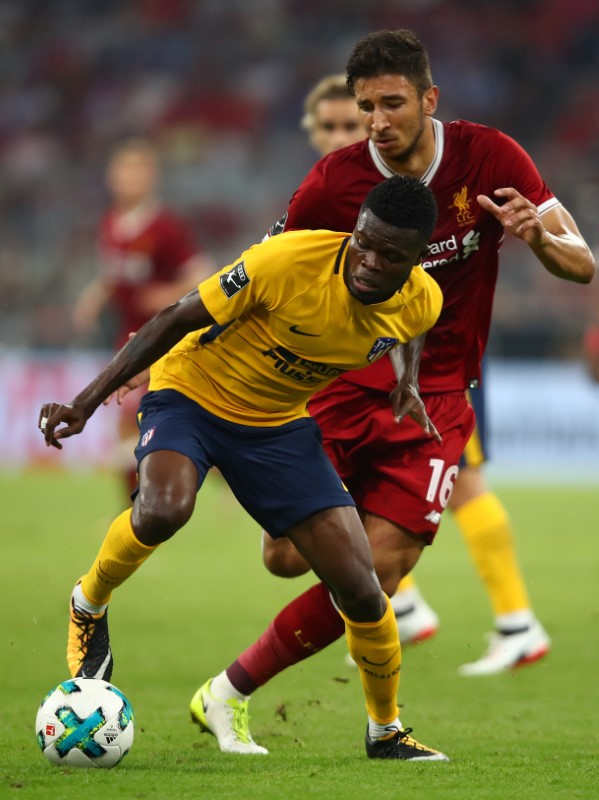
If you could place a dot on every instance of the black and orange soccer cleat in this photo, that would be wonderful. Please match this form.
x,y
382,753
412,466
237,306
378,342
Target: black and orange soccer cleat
x,y
400,745
88,647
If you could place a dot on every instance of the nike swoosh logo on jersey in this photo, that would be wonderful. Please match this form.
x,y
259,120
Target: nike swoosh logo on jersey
x,y
295,329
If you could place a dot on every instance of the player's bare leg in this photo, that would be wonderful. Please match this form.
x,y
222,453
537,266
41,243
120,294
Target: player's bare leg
x,y
396,553
281,557
415,618
339,558
167,490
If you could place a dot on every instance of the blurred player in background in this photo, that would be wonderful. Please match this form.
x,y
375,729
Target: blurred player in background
x,y
147,258
331,116
591,352
590,348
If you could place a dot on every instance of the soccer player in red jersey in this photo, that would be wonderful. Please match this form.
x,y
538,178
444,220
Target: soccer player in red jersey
x,y
332,120
389,75
147,258
486,187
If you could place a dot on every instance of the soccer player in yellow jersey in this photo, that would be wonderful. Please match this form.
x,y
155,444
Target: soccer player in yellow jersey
x,y
233,365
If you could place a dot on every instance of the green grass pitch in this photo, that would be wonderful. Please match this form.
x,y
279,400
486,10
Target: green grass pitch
x,y
204,596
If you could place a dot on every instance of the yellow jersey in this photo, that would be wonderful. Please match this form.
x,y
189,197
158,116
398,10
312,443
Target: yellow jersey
x,y
286,327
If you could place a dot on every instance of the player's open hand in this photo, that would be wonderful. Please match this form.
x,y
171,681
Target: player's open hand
x,y
52,415
406,401
518,215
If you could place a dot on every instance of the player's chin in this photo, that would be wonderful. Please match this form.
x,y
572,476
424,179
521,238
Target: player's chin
x,y
366,293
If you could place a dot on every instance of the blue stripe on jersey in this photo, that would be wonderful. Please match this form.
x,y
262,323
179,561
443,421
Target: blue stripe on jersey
x,y
214,332
339,255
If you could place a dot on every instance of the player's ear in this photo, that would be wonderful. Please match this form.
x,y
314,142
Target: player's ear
x,y
429,100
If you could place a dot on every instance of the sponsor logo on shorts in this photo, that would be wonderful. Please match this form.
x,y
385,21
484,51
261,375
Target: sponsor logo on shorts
x,y
434,517
234,280
381,346
147,436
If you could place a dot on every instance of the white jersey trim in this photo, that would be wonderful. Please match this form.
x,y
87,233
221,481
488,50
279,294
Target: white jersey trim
x,y
547,205
431,170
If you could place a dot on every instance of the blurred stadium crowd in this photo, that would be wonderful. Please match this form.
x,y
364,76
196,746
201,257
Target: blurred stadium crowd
x,y
219,84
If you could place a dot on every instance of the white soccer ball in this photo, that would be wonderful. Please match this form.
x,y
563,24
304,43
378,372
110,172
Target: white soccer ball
x,y
85,722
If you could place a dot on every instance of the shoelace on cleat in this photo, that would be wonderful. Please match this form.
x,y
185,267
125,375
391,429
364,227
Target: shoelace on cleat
x,y
86,623
241,722
405,738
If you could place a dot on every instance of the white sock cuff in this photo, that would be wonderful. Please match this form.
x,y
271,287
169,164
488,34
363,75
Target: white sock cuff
x,y
81,602
376,730
222,688
516,620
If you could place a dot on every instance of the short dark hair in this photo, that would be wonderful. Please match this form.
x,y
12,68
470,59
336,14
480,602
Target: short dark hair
x,y
404,202
388,52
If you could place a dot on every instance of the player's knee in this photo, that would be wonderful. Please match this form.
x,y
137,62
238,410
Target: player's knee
x,y
281,558
363,602
390,583
392,571
159,515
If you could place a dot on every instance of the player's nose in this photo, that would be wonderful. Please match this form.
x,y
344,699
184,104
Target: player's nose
x,y
379,120
371,261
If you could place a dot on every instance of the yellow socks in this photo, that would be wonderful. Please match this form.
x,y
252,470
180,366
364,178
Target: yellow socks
x,y
486,528
120,555
374,646
406,583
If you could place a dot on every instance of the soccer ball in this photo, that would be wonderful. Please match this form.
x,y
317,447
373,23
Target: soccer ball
x,y
85,722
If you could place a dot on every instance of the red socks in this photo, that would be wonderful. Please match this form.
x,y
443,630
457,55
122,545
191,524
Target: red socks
x,y
308,624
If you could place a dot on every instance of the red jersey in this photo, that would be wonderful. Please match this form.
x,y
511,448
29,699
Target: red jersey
x,y
469,160
145,246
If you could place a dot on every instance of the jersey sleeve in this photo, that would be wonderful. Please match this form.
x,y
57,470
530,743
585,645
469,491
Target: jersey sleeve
x,y
309,207
259,277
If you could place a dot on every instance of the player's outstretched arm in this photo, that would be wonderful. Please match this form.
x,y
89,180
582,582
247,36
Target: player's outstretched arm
x,y
553,237
150,343
405,397
133,383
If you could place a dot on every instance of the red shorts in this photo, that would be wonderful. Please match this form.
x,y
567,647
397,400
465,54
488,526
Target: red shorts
x,y
394,470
